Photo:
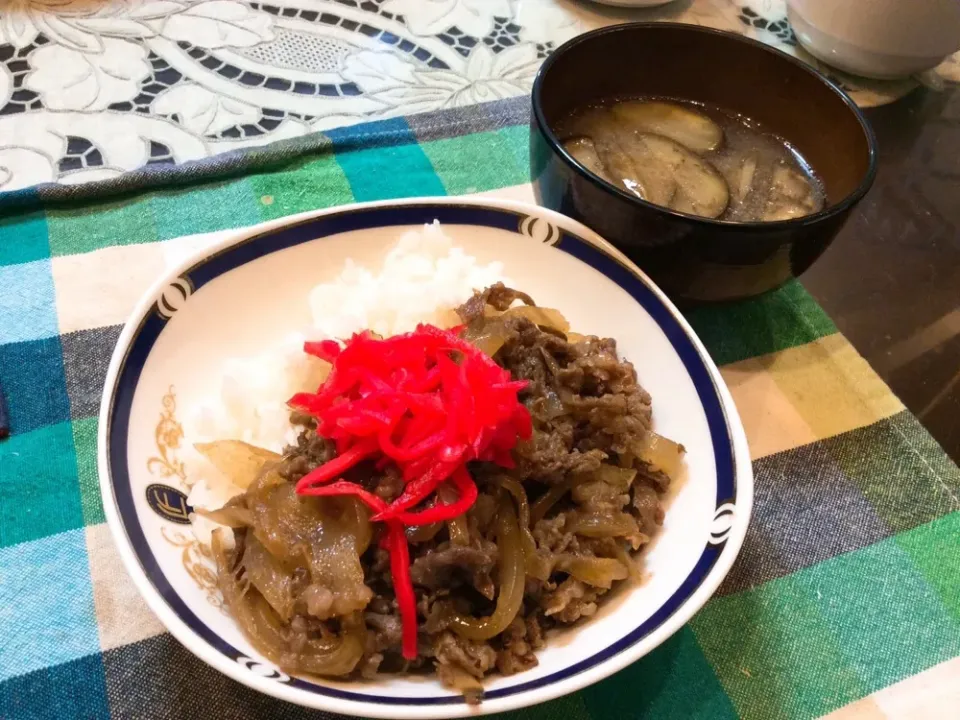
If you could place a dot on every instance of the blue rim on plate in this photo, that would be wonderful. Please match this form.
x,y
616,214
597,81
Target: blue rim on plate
x,y
229,258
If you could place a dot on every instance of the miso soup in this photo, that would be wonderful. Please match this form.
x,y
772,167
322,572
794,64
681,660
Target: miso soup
x,y
693,158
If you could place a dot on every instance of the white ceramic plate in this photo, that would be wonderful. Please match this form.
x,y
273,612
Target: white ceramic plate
x,y
252,289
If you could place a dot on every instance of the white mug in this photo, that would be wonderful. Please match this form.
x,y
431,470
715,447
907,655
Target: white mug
x,y
877,38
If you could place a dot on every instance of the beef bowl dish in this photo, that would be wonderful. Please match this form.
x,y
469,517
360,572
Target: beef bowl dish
x,y
418,478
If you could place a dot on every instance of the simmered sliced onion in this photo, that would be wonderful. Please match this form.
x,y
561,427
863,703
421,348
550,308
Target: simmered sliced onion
x,y
239,461
532,561
663,454
269,577
599,572
603,525
551,497
356,522
512,580
488,335
448,318
457,527
694,130
262,626
520,497
458,530
231,516
423,533
626,559
617,477
262,629
326,534
335,557
335,656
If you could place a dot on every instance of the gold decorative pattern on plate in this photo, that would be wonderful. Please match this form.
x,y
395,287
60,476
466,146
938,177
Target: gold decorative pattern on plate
x,y
197,559
168,434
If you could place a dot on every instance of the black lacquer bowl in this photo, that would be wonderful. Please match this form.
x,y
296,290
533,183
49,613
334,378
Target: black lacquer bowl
x,y
694,258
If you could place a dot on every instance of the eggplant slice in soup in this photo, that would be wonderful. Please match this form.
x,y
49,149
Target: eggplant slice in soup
x,y
626,160
589,136
791,196
672,176
694,130
700,189
655,169
583,150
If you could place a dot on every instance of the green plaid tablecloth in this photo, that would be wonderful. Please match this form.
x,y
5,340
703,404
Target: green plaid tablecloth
x,y
846,596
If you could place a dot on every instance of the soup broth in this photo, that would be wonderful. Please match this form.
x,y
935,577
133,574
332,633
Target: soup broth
x,y
692,158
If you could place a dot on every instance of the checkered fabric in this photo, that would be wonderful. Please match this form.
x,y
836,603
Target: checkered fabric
x,y
846,596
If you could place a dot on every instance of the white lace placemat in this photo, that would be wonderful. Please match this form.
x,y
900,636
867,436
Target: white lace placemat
x,y
89,90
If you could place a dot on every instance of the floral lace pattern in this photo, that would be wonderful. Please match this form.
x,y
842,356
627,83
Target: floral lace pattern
x,y
90,89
